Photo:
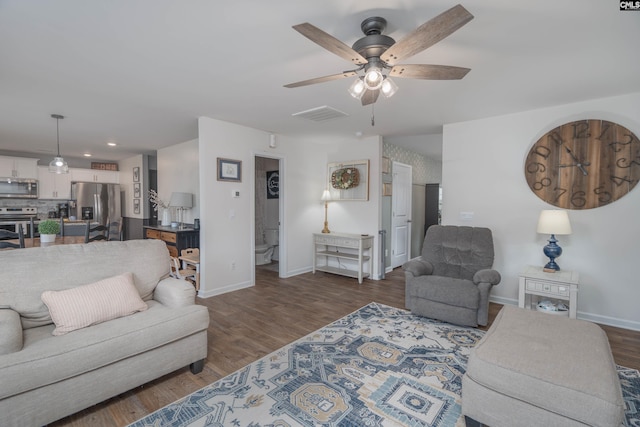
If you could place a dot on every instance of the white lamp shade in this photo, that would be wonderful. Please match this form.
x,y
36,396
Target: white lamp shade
x,y
181,200
326,195
554,221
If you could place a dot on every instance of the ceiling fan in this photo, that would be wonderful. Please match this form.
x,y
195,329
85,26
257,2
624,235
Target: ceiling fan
x,y
377,54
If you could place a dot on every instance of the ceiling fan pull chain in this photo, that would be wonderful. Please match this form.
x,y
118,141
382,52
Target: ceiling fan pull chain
x,y
373,115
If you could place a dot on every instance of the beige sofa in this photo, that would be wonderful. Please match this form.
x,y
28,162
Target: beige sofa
x,y
45,377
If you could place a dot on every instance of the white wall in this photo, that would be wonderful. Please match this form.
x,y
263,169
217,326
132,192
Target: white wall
x,y
178,170
483,173
227,228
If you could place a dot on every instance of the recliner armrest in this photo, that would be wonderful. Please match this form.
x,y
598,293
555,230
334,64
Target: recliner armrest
x,y
10,331
487,276
418,267
174,293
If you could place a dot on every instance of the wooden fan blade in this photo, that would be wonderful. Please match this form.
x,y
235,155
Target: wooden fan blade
x,y
428,34
330,43
370,96
322,79
428,72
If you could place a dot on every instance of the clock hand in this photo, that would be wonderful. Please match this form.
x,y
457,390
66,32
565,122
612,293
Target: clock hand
x,y
578,164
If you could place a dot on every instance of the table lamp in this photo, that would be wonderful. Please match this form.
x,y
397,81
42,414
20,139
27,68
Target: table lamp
x,y
553,222
181,201
326,196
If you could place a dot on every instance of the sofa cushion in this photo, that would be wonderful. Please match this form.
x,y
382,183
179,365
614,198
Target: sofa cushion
x,y
10,331
48,359
91,304
76,265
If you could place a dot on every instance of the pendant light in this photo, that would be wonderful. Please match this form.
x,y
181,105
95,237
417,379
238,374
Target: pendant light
x,y
58,165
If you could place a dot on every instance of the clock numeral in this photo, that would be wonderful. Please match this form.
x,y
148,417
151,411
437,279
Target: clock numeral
x,y
561,193
539,185
536,167
623,161
542,151
581,130
604,196
578,199
605,128
619,181
555,137
615,144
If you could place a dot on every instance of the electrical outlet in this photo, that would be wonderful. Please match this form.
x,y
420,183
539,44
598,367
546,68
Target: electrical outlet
x,y
233,265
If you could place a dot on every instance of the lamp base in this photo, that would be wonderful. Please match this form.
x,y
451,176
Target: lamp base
x,y
325,230
553,251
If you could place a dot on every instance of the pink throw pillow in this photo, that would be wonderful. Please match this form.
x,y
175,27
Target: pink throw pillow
x,y
91,304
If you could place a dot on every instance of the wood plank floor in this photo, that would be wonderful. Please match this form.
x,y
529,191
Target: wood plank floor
x,y
251,323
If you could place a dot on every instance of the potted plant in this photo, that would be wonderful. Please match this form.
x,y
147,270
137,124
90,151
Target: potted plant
x,y
48,230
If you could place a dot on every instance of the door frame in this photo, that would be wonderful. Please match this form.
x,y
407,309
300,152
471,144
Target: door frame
x,y
282,245
408,192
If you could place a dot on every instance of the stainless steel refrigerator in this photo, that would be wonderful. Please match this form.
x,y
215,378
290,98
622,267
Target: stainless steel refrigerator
x,y
95,202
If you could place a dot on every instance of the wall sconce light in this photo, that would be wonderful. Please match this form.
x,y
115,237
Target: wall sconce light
x,y
272,141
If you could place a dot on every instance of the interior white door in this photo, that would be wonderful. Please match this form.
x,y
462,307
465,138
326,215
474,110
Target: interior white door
x,y
400,214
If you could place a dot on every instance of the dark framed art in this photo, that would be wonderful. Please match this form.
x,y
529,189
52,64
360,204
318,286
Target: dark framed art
x,y
136,190
229,170
136,174
136,206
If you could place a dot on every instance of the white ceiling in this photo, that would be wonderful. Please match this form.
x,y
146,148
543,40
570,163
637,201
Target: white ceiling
x,y
140,72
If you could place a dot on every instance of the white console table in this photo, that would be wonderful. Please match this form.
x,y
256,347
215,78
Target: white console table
x,y
343,247
562,284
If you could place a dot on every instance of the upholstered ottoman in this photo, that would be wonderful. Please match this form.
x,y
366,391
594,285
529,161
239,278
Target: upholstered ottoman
x,y
537,369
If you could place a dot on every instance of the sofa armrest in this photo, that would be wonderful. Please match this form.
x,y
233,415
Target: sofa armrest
x,y
10,331
174,293
487,276
418,267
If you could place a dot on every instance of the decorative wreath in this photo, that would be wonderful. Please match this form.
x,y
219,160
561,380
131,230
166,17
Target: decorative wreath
x,y
345,178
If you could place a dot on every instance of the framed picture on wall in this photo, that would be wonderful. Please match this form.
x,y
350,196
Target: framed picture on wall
x,y
136,206
273,184
136,174
348,180
136,190
229,170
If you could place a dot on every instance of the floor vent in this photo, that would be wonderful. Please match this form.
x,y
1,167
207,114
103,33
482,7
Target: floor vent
x,y
320,114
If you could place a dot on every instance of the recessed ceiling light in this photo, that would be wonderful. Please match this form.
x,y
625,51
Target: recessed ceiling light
x,y
87,154
111,144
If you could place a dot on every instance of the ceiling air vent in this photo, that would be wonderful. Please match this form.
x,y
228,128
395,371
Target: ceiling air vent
x,y
320,114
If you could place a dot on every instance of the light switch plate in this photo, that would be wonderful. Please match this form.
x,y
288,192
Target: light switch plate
x,y
235,194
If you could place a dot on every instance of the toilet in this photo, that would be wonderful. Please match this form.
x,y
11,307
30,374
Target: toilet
x,y
265,253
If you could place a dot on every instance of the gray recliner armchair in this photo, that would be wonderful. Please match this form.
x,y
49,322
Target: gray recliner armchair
x,y
452,279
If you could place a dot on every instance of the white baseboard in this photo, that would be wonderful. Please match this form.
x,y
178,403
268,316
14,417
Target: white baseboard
x,y
595,318
224,290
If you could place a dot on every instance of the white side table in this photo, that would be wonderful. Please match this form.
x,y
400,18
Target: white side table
x,y
561,285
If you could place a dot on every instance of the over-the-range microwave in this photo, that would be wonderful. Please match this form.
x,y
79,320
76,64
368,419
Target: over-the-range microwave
x,y
18,188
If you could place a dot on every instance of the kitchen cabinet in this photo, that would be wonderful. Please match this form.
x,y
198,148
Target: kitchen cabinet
x,y
52,185
176,239
95,175
18,167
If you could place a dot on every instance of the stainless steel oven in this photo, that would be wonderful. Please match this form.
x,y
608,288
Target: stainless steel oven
x,y
12,218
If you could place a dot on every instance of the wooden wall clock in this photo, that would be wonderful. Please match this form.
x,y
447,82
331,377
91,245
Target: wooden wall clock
x,y
584,164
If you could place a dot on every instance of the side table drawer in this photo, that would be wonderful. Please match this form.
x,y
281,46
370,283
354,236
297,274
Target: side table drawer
x,y
550,288
154,234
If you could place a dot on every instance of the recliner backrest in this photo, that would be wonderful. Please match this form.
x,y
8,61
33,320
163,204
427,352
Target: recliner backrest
x,y
458,251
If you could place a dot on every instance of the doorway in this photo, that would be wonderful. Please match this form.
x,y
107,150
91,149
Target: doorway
x,y
400,214
268,209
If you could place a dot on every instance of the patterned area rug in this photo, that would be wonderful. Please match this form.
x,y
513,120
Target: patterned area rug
x,y
379,366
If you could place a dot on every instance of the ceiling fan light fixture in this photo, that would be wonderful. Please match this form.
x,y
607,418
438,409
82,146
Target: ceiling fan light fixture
x,y
389,87
357,88
373,78
58,165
